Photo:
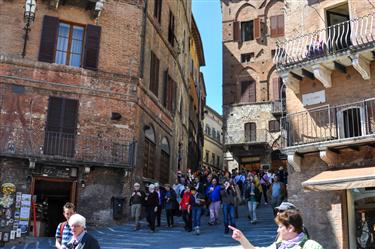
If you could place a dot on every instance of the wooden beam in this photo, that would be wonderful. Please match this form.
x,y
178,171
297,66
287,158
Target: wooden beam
x,y
340,67
337,151
308,74
353,147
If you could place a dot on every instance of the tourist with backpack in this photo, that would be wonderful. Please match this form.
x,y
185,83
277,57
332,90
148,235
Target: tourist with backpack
x,y
63,231
290,230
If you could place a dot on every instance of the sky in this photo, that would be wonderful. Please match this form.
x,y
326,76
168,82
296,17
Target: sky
x,y
207,14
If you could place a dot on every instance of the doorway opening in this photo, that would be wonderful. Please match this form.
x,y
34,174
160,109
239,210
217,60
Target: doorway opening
x,y
51,195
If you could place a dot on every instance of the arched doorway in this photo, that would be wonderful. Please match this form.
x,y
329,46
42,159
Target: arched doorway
x,y
149,152
165,161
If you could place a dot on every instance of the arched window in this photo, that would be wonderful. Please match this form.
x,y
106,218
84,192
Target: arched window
x,y
149,152
351,122
165,161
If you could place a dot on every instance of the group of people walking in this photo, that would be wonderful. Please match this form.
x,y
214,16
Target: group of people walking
x,y
216,195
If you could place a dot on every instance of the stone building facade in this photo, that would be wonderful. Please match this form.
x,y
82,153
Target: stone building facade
x,y
213,140
99,100
327,64
251,87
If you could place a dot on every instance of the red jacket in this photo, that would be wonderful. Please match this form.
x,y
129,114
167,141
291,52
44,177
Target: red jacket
x,y
185,201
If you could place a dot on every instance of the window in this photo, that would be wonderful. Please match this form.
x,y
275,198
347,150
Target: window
x,y
277,26
248,91
213,133
350,124
250,132
61,125
246,57
276,87
217,161
274,126
208,130
169,91
213,159
171,35
154,74
218,137
247,31
69,44
207,156
157,9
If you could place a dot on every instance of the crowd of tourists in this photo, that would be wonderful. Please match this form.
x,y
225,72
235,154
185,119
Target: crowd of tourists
x,y
216,195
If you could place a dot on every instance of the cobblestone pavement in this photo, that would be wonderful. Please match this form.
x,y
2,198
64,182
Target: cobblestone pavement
x,y
123,236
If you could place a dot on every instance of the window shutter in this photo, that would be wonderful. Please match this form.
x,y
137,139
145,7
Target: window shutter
x,y
48,40
252,92
54,114
274,26
276,88
70,116
280,25
256,30
165,88
236,31
92,44
160,7
154,74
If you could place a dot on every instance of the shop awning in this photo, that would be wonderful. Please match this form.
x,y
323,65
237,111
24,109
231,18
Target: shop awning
x,y
341,179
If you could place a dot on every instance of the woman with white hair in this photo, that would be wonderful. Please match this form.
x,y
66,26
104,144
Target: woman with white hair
x,y
81,239
152,202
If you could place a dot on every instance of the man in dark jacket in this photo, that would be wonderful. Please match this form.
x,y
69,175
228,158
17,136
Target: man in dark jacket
x,y
81,239
136,200
152,202
228,195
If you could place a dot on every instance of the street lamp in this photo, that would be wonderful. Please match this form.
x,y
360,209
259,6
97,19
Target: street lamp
x,y
29,16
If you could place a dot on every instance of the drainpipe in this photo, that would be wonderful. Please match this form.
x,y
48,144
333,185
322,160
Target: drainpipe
x,y
143,40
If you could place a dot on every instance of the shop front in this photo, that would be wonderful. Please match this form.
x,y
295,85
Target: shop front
x,y
359,187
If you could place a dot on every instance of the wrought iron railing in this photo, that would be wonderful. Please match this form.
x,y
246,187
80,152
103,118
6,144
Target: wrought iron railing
x,y
50,145
253,136
354,34
329,123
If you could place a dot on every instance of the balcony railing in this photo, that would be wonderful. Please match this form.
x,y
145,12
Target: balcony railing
x,y
354,35
278,106
57,146
329,123
252,137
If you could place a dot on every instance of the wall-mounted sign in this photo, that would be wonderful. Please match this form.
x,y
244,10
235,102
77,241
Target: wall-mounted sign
x,y
250,159
314,98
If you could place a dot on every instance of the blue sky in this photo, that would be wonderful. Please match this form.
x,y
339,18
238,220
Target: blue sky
x,y
207,14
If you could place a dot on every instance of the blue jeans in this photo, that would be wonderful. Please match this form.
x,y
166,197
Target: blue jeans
x,y
197,212
228,213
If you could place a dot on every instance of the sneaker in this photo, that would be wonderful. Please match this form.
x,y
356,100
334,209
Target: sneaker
x,y
211,223
197,232
226,231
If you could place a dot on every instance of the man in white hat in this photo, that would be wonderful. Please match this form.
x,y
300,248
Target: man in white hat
x,y
151,206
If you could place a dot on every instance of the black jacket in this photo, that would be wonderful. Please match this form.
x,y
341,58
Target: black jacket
x,y
152,200
87,242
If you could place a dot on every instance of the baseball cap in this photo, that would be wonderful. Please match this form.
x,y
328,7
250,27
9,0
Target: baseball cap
x,y
285,206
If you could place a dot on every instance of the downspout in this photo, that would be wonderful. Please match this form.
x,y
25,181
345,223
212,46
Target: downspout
x,y
143,41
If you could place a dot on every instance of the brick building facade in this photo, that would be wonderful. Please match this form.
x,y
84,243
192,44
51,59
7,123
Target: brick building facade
x,y
97,102
251,86
326,62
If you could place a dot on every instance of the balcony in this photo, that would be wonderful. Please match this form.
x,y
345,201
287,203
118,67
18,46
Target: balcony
x,y
259,136
66,148
316,54
349,123
278,107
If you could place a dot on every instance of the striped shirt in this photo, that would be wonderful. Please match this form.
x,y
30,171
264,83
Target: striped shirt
x,y
67,234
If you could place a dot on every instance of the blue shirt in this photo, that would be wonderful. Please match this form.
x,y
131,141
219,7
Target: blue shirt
x,y
67,234
215,195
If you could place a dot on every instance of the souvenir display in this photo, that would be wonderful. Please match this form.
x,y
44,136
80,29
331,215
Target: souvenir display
x,y
12,235
5,236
